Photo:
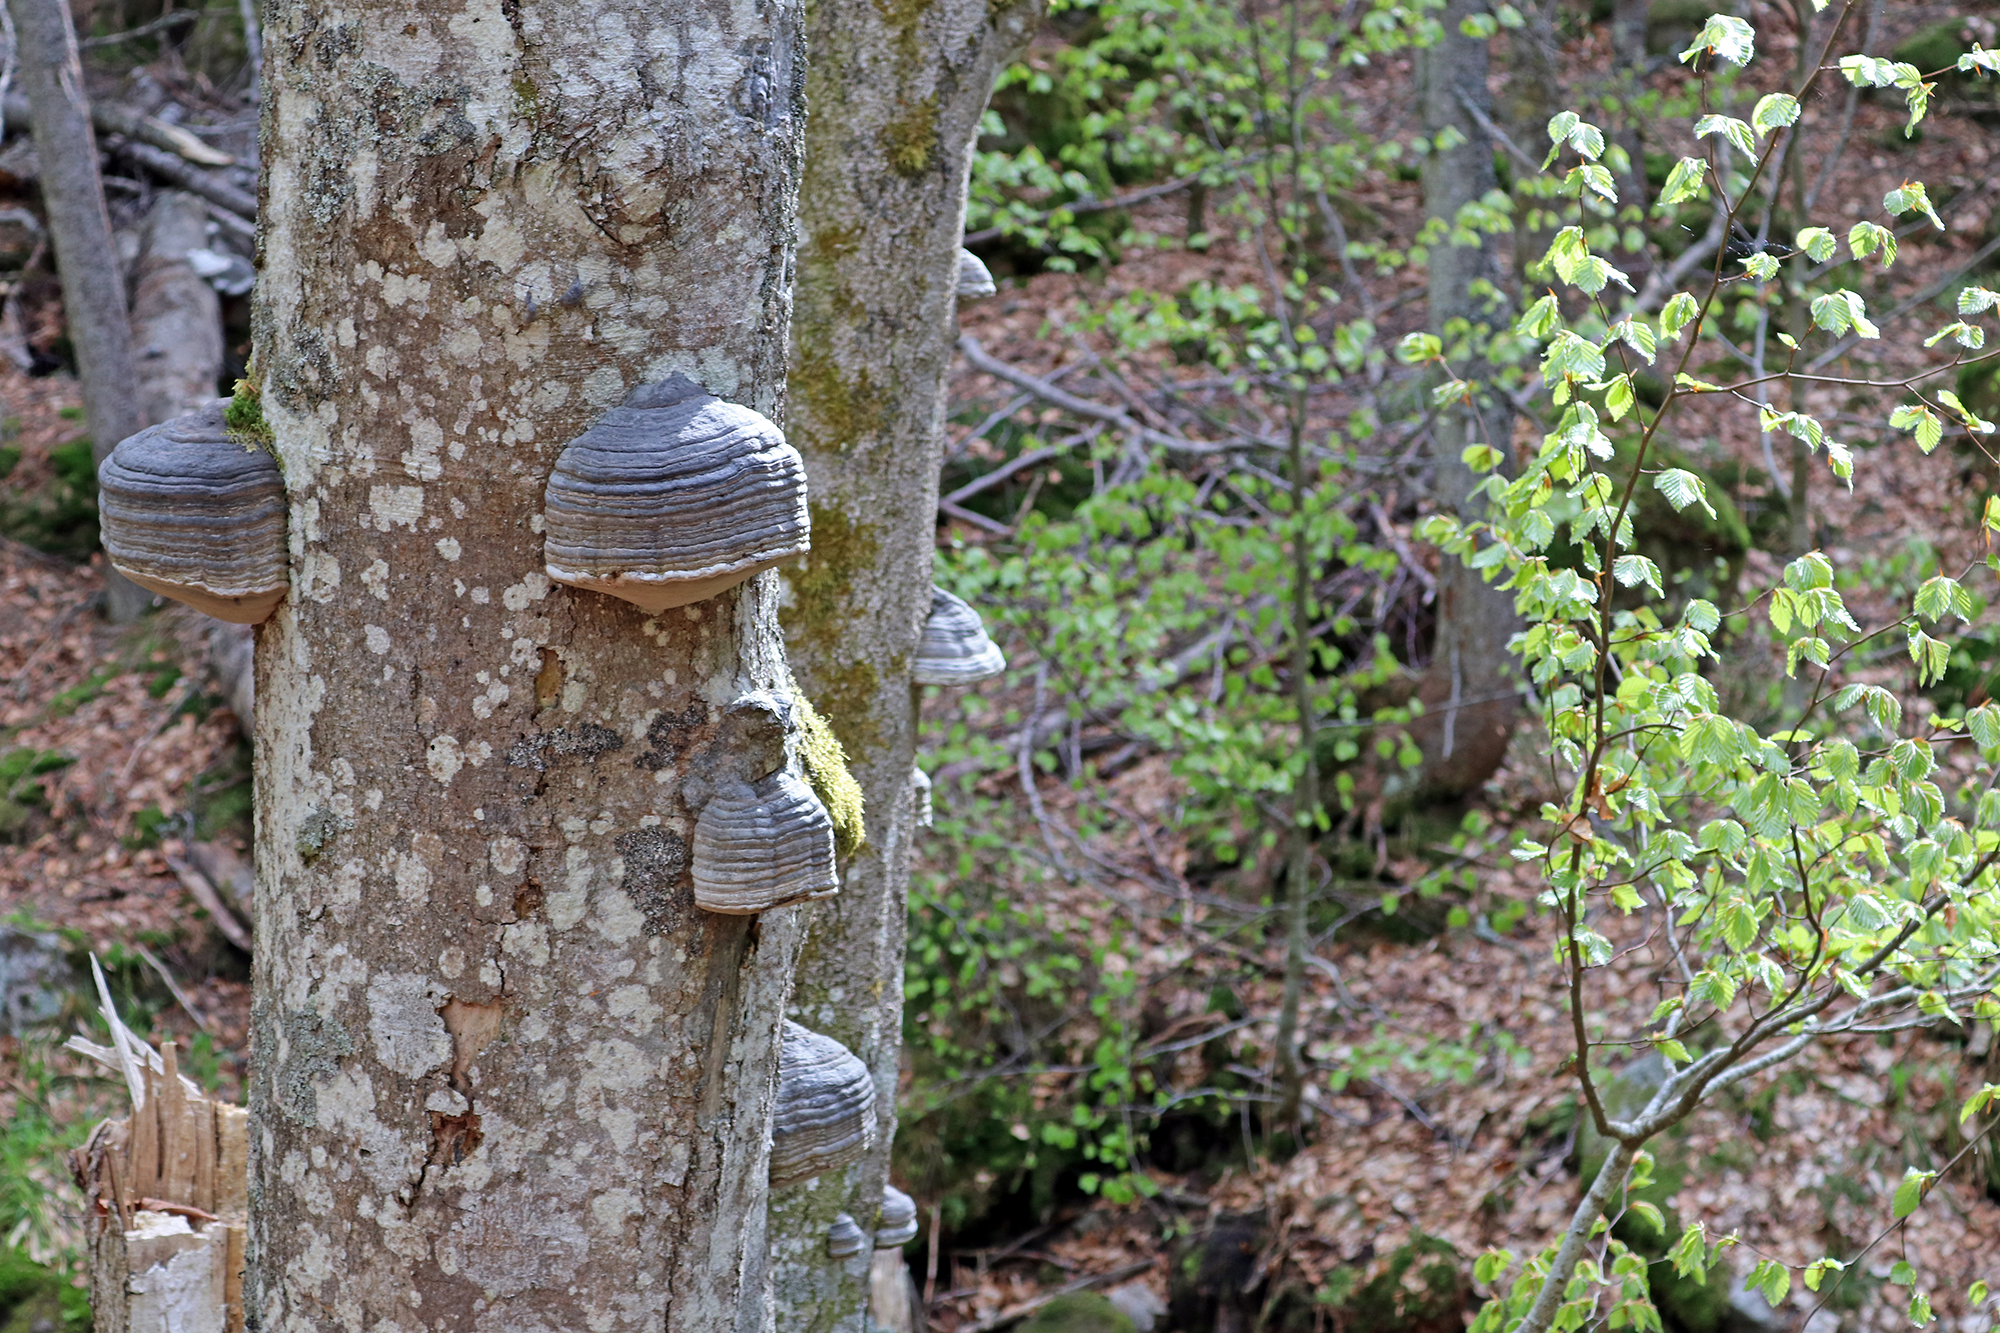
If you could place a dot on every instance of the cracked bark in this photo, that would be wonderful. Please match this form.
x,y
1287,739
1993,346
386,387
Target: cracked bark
x,y
507,1075
897,93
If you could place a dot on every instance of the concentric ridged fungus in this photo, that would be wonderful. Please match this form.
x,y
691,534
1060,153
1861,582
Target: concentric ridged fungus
x,y
974,280
954,649
897,1224
191,514
845,1237
672,497
760,845
825,1112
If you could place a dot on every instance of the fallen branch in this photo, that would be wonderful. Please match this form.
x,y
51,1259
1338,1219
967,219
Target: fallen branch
x,y
109,119
177,18
1001,473
1083,206
1015,1313
982,360
171,169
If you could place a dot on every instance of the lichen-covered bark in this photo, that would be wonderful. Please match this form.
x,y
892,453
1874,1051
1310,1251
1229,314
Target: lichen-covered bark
x,y
507,1075
896,90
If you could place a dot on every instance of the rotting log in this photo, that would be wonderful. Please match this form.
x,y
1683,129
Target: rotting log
x,y
176,316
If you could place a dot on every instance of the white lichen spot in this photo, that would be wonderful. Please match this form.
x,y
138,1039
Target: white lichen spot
x,y
373,800
573,695
409,1036
413,878
495,694
507,854
396,504
444,758
452,961
421,458
566,905
377,639
481,596
536,523
448,548
533,587
375,578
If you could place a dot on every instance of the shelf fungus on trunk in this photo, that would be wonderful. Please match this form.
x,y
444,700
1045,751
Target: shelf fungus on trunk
x,y
763,844
896,1225
954,649
974,281
192,514
672,497
825,1113
845,1237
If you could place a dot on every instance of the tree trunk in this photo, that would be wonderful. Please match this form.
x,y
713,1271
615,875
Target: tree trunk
x,y
176,318
73,197
896,101
1468,692
508,1075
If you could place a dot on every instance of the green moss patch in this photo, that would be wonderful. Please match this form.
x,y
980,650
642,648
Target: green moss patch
x,y
826,768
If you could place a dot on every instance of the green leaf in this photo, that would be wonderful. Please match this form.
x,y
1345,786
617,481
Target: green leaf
x,y
1674,316
1654,1217
1417,348
1632,570
1684,182
1865,238
1683,488
1726,37
1672,1051
1911,197
1910,1193
1775,111
1740,135
1817,242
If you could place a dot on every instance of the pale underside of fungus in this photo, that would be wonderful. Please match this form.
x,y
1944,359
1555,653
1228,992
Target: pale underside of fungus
x,y
974,281
824,1118
191,514
954,649
672,497
763,844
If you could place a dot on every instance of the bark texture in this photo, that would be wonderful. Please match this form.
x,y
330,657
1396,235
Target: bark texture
x,y
896,95
73,197
1469,690
508,1076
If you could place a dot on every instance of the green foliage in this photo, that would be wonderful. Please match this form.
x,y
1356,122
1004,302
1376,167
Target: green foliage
x,y
245,414
20,794
60,517
1817,876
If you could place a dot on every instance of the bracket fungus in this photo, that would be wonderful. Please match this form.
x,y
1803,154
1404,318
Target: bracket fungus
x,y
845,1237
672,497
897,1223
974,280
825,1113
763,844
954,649
192,514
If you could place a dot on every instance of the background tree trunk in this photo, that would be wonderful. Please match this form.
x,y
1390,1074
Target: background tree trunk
x,y
73,198
896,99
1469,688
507,1075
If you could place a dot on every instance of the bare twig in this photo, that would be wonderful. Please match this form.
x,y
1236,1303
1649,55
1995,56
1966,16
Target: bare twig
x,y
172,19
110,119
1083,206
